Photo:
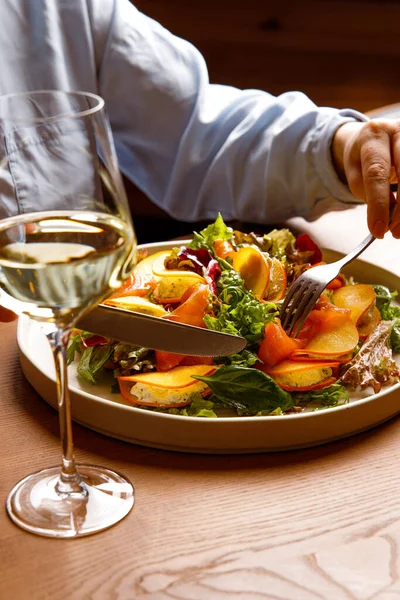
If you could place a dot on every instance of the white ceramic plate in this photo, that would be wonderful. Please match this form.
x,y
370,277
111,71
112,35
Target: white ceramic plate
x,y
97,408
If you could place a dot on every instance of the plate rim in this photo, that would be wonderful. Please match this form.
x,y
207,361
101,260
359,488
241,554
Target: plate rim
x,y
320,413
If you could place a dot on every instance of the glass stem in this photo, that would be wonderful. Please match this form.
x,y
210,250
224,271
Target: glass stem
x,y
70,481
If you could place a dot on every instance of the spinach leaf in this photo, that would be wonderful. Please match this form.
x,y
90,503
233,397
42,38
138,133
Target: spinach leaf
x,y
248,390
74,346
92,360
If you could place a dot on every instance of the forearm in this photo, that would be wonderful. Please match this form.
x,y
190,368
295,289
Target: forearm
x,y
196,148
271,159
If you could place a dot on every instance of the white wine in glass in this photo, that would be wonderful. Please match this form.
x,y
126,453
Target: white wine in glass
x,y
66,243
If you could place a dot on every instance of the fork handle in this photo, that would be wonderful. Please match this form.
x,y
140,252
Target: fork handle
x,y
357,251
364,244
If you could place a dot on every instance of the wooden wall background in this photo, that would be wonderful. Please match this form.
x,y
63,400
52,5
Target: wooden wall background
x,y
340,53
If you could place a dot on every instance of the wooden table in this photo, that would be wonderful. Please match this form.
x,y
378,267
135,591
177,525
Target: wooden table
x,y
316,523
302,525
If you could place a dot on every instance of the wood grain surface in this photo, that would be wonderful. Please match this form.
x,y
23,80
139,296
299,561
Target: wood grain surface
x,y
305,525
341,53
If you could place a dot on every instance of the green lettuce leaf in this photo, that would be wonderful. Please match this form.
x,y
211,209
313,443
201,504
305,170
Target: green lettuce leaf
x,y
280,241
373,365
239,311
245,358
248,319
215,231
328,397
277,243
128,358
199,407
389,312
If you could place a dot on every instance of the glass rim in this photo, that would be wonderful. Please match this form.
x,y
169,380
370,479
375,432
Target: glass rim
x,y
75,115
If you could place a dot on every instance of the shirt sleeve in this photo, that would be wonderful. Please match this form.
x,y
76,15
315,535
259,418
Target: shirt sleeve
x,y
196,148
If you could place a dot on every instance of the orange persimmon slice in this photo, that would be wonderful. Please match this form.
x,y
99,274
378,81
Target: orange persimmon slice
x,y
326,316
170,290
331,342
358,298
253,268
276,287
137,304
141,280
125,388
367,324
176,378
302,376
159,269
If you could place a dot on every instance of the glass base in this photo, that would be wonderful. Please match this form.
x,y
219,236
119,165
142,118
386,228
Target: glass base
x,y
35,504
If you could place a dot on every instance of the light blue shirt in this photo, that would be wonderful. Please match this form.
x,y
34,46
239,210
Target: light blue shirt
x,y
193,147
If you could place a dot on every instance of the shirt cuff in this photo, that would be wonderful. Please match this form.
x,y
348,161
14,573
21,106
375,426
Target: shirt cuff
x,y
322,143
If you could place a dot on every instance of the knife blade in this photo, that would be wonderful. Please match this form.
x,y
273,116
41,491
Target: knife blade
x,y
157,333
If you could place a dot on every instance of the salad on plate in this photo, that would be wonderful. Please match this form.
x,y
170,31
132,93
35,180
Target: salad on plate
x,y
235,282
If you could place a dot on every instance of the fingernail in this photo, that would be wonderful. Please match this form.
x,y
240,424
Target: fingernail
x,y
396,232
379,229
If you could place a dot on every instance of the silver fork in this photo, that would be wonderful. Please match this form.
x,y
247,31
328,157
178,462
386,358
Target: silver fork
x,y
304,292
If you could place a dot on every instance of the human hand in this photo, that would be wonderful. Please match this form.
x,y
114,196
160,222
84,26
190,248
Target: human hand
x,y
367,157
6,315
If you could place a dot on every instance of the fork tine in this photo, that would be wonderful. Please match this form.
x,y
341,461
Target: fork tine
x,y
304,309
287,306
305,291
295,295
299,302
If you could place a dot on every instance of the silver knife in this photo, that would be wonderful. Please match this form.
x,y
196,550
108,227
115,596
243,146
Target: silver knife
x,y
157,333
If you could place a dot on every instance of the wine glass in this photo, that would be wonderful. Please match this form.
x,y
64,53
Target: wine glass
x,y
66,243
